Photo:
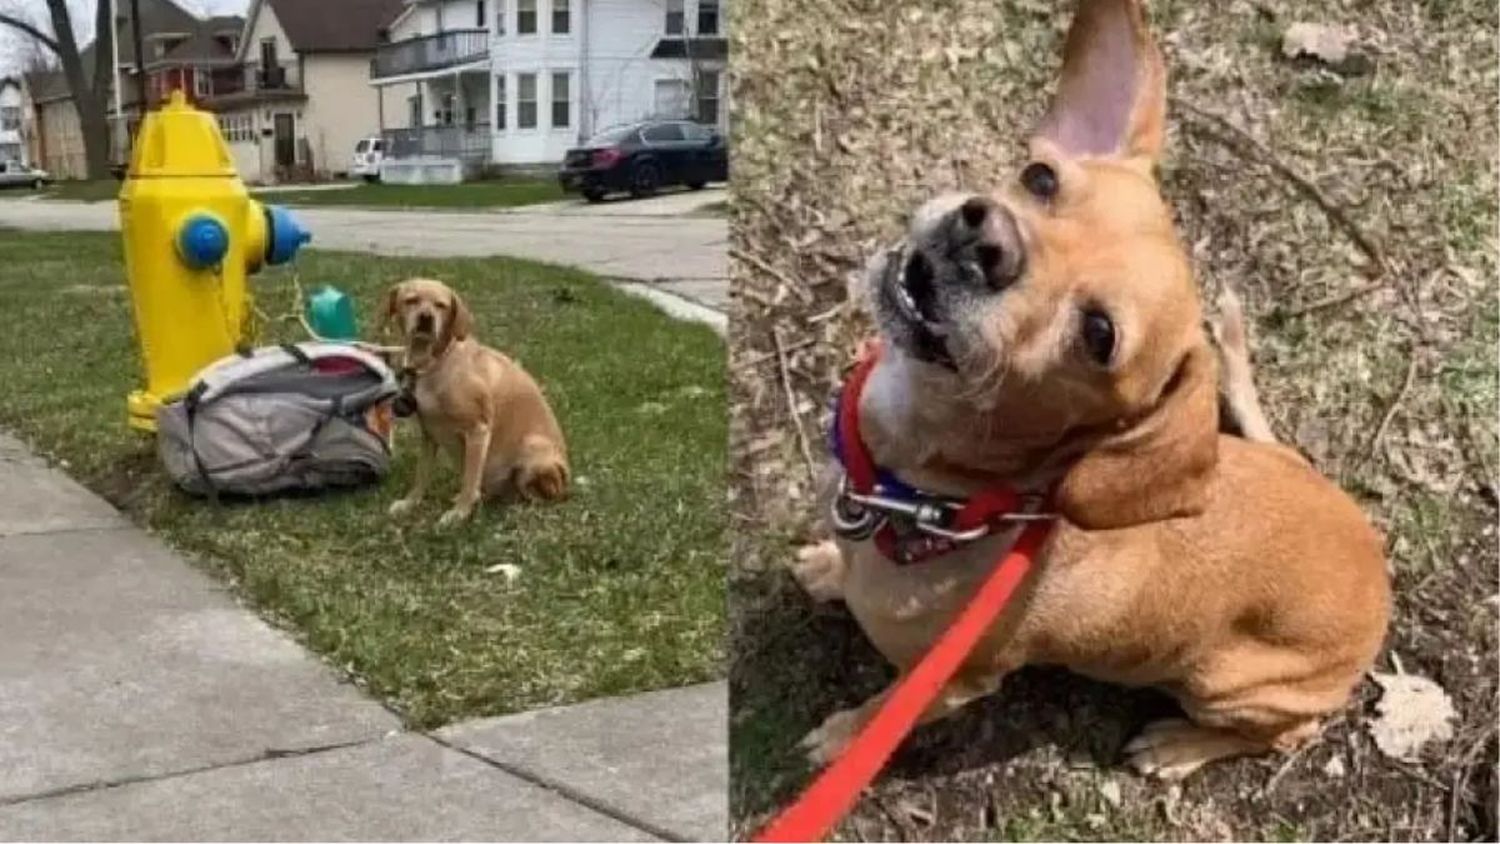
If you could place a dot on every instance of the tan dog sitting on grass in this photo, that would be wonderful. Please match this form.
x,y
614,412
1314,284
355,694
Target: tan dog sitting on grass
x,y
1047,339
474,403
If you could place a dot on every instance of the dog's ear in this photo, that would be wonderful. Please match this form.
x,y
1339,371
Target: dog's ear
x,y
1111,98
388,312
1158,468
460,320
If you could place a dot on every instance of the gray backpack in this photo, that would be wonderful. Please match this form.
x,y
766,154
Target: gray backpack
x,y
281,418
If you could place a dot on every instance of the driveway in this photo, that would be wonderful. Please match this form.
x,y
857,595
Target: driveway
x,y
667,243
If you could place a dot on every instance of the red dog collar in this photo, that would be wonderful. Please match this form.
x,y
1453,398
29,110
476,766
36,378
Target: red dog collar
x,y
909,525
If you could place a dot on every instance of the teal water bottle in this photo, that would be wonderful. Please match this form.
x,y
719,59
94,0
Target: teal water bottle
x,y
330,312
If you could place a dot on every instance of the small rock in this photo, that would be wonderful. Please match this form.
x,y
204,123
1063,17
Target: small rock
x,y
510,571
1329,44
1335,767
1412,711
1109,792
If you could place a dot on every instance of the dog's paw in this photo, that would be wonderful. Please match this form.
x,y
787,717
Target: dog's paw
x,y
819,569
1173,748
401,507
824,744
453,517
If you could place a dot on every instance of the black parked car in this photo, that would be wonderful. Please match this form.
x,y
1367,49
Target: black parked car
x,y
642,157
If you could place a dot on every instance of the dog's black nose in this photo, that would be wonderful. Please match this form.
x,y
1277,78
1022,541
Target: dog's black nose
x,y
424,322
991,232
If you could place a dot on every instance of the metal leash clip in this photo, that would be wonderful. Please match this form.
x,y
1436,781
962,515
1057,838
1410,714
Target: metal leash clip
x,y
857,516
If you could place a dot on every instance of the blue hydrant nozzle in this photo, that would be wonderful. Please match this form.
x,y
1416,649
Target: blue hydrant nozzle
x,y
284,235
202,241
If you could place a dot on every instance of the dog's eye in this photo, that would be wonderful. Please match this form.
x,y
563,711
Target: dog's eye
x,y
1040,180
1099,336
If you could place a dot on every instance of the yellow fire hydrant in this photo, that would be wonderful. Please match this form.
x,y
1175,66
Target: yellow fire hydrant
x,y
192,236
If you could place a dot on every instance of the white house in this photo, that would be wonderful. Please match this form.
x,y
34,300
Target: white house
x,y
518,82
14,137
298,98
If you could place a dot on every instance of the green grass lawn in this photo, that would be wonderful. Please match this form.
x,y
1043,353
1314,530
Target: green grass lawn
x,y
621,587
83,191
486,194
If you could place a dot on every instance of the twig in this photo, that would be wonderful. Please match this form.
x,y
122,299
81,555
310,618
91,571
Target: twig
x,y
1243,141
1335,300
772,272
1390,412
1461,778
791,404
756,360
1291,760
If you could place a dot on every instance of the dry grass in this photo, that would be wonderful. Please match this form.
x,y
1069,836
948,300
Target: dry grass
x,y
849,113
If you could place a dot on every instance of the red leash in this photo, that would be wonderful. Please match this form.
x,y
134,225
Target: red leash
x,y
838,787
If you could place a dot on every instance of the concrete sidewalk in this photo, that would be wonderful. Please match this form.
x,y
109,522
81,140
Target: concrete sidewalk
x,y
138,701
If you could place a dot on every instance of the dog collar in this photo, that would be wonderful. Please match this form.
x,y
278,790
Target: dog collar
x,y
909,525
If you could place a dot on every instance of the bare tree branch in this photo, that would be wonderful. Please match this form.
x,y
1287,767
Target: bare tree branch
x,y
31,31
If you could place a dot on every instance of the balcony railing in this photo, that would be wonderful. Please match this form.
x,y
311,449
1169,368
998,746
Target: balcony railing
x,y
465,142
429,52
253,78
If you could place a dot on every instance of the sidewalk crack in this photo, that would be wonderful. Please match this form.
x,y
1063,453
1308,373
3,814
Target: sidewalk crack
x,y
267,755
562,790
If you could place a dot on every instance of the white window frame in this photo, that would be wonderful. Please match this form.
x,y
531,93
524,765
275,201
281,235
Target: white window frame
x,y
566,8
501,118
552,101
678,8
502,8
718,18
536,17
698,97
521,101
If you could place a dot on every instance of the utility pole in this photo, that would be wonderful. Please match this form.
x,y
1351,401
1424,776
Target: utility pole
x,y
140,55
121,127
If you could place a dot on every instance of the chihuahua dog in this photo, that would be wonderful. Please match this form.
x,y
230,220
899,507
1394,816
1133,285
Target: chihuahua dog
x,y
475,403
1048,339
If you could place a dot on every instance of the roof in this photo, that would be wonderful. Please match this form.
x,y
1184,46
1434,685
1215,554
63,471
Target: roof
x,y
47,86
156,16
202,47
334,26
704,49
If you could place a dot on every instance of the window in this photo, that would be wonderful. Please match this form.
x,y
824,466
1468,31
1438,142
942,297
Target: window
x,y
500,103
201,84
526,101
479,19
445,110
499,17
562,17
525,17
10,118
238,128
414,116
708,97
674,17
561,100
268,57
663,133
672,98
708,17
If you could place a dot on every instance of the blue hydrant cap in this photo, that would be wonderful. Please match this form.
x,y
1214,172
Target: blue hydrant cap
x,y
202,241
286,235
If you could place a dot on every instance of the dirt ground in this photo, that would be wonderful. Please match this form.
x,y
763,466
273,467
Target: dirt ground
x,y
1355,210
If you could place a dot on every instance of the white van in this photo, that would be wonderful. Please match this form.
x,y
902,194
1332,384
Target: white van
x,y
368,154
